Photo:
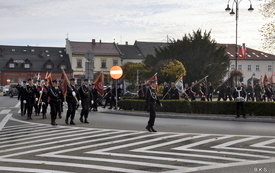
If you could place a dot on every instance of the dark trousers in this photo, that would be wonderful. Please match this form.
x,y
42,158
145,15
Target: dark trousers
x,y
85,103
23,107
30,107
152,107
240,105
37,108
44,108
55,108
71,110
209,97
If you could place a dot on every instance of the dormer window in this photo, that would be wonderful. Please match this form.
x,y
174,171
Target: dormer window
x,y
11,65
49,66
62,66
27,66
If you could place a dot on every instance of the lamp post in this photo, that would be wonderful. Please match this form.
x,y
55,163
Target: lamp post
x,y
232,13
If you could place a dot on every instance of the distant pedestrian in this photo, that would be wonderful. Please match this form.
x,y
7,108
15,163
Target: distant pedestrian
x,y
210,90
30,98
86,96
72,101
239,94
151,100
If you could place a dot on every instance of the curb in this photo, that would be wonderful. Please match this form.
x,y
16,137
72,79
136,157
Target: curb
x,y
218,117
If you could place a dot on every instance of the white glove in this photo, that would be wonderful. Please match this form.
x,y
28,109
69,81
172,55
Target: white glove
x,y
40,92
43,103
24,101
73,93
36,99
161,105
92,101
79,102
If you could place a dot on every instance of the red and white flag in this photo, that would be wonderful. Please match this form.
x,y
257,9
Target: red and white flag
x,y
99,84
153,78
242,52
63,83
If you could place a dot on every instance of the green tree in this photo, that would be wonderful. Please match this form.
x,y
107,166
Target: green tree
x,y
169,70
130,72
268,31
200,55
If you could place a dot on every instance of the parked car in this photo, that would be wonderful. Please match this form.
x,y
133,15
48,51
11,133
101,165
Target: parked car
x,y
1,88
13,90
6,90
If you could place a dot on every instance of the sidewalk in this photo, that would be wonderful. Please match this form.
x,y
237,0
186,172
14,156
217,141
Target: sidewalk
x,y
219,117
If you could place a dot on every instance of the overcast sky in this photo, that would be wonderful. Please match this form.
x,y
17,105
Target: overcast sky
x,y
50,22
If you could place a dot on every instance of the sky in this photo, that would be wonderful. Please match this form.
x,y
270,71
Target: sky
x,y
50,22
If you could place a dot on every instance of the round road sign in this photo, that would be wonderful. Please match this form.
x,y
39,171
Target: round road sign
x,y
116,72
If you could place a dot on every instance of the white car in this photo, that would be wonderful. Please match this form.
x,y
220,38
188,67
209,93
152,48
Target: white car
x,y
6,90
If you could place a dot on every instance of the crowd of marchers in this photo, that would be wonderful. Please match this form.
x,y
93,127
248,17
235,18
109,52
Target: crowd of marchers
x,y
36,97
205,91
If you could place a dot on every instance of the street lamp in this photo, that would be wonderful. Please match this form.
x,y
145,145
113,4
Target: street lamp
x,y
232,13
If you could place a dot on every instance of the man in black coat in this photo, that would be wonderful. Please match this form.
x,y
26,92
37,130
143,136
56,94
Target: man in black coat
x,y
22,98
95,96
56,97
30,98
86,96
151,100
174,92
72,101
239,94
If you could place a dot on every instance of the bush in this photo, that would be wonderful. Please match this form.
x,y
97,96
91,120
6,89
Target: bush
x,y
202,107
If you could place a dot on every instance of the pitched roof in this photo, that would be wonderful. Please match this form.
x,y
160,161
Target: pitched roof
x,y
37,56
148,48
97,48
130,52
251,54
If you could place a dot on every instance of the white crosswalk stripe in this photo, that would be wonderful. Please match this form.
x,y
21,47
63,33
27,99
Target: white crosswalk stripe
x,y
34,147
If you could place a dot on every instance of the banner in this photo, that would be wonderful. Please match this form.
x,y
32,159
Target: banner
x,y
99,84
179,84
265,80
242,52
63,83
153,78
49,77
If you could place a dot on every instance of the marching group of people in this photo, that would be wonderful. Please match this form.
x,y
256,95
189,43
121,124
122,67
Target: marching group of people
x,y
205,92
36,97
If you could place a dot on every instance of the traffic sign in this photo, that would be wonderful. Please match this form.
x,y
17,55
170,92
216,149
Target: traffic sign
x,y
116,72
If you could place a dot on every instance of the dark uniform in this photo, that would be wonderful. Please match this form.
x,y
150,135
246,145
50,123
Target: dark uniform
x,y
22,98
95,96
85,97
56,97
107,96
166,95
45,100
250,92
151,100
37,106
30,98
72,101
174,93
239,94
221,91
210,90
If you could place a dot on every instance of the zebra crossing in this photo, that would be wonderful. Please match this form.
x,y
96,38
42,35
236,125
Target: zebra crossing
x,y
33,147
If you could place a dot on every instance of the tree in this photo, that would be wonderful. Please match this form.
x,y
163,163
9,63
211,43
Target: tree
x,y
268,31
169,70
199,54
130,72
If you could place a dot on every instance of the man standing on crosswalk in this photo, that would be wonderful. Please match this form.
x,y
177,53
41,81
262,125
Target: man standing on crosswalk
x,y
72,99
86,96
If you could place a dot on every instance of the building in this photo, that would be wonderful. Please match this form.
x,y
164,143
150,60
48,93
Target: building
x,y
104,56
130,53
19,63
256,64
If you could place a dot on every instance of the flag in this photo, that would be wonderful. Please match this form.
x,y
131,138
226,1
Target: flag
x,y
121,84
99,84
179,84
242,52
265,80
63,83
153,78
49,77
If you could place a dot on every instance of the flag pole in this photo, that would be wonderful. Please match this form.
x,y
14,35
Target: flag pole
x,y
68,83
170,87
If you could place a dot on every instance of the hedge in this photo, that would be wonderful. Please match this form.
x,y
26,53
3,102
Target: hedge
x,y
202,107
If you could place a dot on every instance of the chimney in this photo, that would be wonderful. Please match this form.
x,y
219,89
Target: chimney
x,y
100,41
93,41
126,42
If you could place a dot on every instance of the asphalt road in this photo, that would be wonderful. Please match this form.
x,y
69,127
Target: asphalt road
x,y
116,141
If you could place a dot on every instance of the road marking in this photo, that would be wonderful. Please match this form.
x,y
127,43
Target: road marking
x,y
14,169
4,121
5,111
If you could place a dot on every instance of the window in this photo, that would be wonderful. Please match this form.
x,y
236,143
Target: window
x,y
257,67
269,68
79,63
103,63
240,67
11,65
27,66
115,62
49,66
249,68
63,67
232,67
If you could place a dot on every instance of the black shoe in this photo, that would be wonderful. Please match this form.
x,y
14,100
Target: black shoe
x,y
153,130
244,117
60,116
237,116
148,128
86,121
81,119
110,108
66,121
22,114
72,122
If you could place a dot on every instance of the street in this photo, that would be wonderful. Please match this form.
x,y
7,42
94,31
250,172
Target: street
x,y
114,142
